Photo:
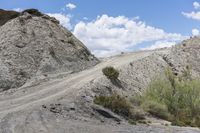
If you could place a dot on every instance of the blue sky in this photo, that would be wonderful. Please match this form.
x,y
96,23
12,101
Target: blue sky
x,y
176,18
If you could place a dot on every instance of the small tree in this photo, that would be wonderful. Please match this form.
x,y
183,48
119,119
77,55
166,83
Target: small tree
x,y
110,72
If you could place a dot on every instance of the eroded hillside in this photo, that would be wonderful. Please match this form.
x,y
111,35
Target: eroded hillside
x,y
34,45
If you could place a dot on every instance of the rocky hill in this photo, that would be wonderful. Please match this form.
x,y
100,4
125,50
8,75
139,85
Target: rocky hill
x,y
33,44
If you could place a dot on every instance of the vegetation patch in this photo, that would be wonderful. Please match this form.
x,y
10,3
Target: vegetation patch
x,y
156,109
33,12
119,105
5,16
110,72
174,98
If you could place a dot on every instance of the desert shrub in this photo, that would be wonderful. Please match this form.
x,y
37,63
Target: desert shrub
x,y
178,96
110,72
116,103
156,109
119,105
33,12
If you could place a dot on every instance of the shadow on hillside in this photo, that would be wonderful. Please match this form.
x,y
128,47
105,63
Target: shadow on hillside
x,y
117,83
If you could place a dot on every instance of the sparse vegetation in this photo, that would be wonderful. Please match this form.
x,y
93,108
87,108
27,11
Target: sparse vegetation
x,y
116,103
174,98
110,72
5,16
142,122
156,109
33,12
120,106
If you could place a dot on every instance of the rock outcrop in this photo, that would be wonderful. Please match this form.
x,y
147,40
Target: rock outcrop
x,y
33,44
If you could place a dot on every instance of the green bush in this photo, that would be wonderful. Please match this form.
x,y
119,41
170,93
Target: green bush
x,y
115,103
110,72
174,98
119,105
156,109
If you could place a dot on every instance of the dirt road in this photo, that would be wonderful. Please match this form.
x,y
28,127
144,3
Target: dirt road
x,y
29,97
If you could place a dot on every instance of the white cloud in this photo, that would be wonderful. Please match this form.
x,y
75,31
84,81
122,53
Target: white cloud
x,y
196,5
160,44
192,15
71,6
18,9
106,35
64,19
195,32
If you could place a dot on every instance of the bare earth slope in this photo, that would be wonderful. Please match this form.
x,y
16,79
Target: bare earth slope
x,y
47,92
34,45
63,104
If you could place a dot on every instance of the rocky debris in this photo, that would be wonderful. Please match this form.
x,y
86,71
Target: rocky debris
x,y
58,108
187,54
33,44
55,108
106,113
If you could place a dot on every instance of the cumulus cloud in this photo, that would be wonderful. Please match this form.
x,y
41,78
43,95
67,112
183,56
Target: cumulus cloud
x,y
160,44
192,15
195,32
64,19
71,6
107,35
196,5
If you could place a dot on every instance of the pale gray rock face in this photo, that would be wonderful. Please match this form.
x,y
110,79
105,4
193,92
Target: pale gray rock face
x,y
32,45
